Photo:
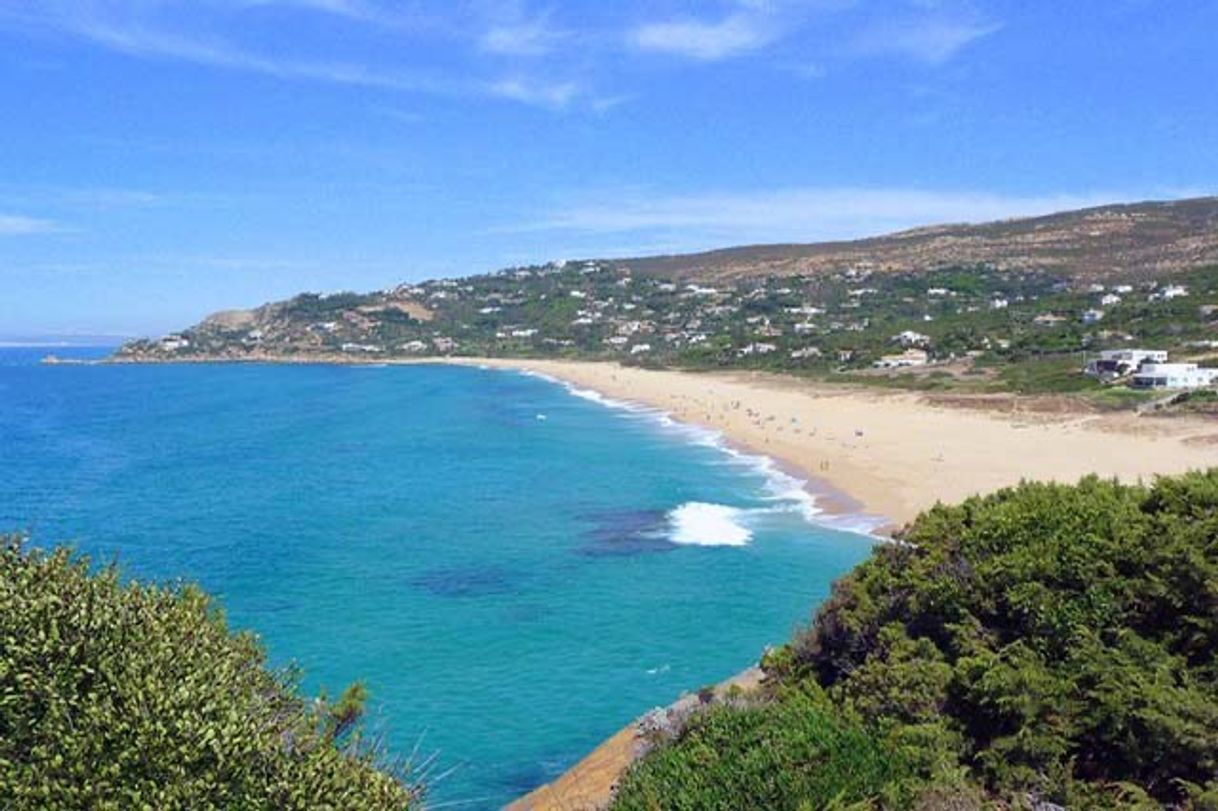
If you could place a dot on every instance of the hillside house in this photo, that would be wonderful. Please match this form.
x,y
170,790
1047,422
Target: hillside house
x,y
1114,363
1174,376
909,338
910,357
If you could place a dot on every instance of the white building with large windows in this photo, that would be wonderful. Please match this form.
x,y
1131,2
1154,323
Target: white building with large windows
x,y
1173,376
1113,363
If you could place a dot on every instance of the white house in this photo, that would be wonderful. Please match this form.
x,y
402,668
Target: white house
x,y
1092,316
1173,376
910,357
911,338
1120,362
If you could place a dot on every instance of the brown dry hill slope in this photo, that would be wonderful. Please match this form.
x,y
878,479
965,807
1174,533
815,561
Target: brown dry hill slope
x,y
1143,239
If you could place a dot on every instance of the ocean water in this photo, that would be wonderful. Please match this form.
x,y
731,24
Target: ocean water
x,y
514,568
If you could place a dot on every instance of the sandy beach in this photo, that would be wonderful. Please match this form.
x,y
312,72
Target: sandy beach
x,y
894,454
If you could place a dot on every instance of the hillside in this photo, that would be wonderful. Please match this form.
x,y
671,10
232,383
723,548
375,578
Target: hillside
x,y
1145,240
972,306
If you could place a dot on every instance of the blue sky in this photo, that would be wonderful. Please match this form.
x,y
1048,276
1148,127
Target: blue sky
x,y
160,160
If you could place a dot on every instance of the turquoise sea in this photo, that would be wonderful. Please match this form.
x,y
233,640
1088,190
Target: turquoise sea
x,y
515,569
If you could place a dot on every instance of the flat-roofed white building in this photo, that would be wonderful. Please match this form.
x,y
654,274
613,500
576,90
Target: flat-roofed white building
x,y
1173,376
910,357
1120,362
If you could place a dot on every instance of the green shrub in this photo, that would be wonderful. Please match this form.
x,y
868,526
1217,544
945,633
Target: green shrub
x,y
1080,625
128,696
788,754
1045,643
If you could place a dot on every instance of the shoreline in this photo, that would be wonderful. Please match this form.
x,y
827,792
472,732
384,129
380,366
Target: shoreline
x,y
833,507
881,454
889,455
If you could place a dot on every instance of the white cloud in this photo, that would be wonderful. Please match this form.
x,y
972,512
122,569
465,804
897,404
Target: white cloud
x,y
12,225
355,10
793,215
139,40
933,40
136,40
555,95
705,41
532,38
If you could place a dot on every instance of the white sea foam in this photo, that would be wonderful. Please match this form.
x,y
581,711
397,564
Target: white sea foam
x,y
697,523
785,492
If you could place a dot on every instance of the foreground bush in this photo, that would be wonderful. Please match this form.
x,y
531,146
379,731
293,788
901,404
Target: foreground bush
x,y
1047,644
764,756
118,696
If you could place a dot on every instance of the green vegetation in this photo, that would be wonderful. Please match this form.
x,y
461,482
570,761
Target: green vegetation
x,y
983,329
1046,644
127,696
767,754
1201,401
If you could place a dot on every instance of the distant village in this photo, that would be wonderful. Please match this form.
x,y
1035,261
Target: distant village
x,y
861,320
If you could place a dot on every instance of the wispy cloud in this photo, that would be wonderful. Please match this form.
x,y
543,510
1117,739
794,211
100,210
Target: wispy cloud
x,y
932,39
534,37
138,39
705,41
77,197
538,93
798,214
14,225
356,10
